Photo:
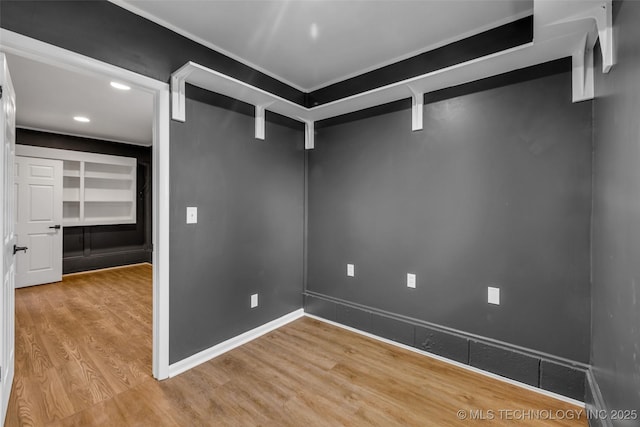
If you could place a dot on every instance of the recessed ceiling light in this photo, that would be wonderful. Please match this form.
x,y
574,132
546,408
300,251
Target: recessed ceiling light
x,y
81,119
120,86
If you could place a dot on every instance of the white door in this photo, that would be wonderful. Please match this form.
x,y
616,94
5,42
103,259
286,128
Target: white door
x,y
7,212
38,221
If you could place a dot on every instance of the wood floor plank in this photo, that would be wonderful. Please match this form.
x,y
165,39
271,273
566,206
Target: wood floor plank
x,y
37,360
315,379
83,358
56,404
20,412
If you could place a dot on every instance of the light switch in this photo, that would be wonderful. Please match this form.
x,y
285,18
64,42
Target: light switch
x,y
192,215
493,295
351,270
254,300
411,280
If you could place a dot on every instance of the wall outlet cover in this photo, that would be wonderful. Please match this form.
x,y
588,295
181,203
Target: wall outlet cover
x,y
192,215
493,295
254,300
351,270
411,280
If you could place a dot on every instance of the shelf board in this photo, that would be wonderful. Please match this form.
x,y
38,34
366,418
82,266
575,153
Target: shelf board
x,y
108,176
112,199
108,220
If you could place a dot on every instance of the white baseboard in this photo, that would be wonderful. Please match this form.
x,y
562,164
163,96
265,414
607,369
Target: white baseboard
x,y
598,403
98,270
219,349
455,363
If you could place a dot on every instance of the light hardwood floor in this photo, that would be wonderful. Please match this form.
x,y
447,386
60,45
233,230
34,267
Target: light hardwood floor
x,y
83,351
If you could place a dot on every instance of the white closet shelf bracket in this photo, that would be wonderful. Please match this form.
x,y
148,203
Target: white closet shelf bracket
x,y
260,120
178,80
309,133
417,103
604,21
600,12
582,72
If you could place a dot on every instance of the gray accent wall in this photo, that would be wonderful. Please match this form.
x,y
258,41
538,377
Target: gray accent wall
x,y
495,191
615,349
249,236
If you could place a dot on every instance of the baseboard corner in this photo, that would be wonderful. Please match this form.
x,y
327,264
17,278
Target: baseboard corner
x,y
203,356
594,402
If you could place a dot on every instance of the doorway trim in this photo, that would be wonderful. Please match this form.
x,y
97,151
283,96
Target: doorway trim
x,y
20,45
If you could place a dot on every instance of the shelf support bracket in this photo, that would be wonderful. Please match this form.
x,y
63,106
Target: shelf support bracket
x,y
417,102
309,131
604,22
600,12
178,108
582,72
260,120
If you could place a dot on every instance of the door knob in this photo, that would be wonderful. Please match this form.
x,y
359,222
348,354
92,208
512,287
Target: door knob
x,y
55,227
19,248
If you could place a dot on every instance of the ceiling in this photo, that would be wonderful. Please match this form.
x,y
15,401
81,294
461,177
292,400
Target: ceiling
x,y
48,97
310,44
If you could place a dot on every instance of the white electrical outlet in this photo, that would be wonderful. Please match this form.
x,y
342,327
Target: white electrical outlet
x,y
351,272
254,300
411,280
192,215
493,295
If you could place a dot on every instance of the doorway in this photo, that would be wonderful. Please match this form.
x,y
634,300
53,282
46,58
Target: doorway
x,y
30,48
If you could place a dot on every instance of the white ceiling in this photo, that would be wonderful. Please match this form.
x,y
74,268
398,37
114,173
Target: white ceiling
x,y
48,97
353,36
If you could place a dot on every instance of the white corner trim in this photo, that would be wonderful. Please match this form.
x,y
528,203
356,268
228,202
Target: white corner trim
x,y
161,227
228,345
454,363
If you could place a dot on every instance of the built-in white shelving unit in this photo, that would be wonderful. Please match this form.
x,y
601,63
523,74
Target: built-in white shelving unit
x,y
98,189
